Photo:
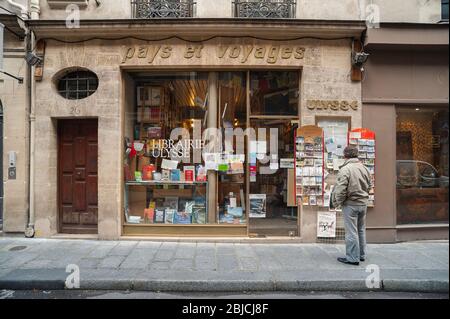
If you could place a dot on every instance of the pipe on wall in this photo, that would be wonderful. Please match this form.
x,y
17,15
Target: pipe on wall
x,y
34,11
29,232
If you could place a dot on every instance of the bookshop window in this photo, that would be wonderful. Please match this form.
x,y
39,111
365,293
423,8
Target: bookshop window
x,y
422,165
274,92
232,121
166,181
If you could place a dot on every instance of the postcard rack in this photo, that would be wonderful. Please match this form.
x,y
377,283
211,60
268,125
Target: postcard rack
x,y
309,166
365,140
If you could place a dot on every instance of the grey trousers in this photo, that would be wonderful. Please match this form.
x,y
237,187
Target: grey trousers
x,y
355,232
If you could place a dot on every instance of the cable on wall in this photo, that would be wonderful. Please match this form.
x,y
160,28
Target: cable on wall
x,y
194,41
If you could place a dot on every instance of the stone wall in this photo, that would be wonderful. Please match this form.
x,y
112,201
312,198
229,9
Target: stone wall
x,y
105,105
15,135
413,11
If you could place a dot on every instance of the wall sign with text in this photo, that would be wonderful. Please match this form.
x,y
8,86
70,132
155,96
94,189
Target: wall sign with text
x,y
332,105
237,53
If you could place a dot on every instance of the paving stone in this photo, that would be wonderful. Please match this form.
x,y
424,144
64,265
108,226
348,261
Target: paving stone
x,y
17,260
164,255
148,245
182,264
225,249
186,251
270,263
202,263
111,262
206,246
137,260
122,248
249,263
102,251
227,263
37,263
205,252
169,246
89,262
244,250
160,265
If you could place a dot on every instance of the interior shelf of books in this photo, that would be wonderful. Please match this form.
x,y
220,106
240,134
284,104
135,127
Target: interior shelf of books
x,y
365,140
159,190
309,166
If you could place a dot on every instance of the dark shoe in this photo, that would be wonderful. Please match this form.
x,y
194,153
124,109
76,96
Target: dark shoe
x,y
362,259
345,261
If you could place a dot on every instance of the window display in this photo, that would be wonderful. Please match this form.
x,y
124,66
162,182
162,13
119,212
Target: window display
x,y
166,181
230,164
274,178
170,171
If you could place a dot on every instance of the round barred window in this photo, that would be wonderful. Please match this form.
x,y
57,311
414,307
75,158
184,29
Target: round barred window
x,y
77,85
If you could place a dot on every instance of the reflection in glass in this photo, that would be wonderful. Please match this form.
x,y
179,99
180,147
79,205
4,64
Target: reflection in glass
x,y
422,165
274,92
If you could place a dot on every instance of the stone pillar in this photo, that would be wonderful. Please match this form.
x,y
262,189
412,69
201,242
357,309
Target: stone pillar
x,y
35,9
212,123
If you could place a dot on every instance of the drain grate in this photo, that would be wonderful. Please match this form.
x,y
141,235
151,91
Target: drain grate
x,y
18,248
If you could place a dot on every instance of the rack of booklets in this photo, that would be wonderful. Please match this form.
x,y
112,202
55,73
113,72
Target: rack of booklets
x,y
365,140
309,166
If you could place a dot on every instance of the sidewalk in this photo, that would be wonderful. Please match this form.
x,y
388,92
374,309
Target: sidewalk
x,y
171,266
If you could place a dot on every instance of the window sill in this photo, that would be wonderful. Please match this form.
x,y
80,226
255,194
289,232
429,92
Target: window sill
x,y
414,226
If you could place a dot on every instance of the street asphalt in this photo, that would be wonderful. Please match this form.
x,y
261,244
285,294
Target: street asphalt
x,y
148,266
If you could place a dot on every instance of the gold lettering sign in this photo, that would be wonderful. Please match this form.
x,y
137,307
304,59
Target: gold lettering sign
x,y
332,105
271,54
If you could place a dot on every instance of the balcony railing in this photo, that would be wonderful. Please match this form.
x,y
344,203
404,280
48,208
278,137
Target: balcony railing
x,y
148,9
272,9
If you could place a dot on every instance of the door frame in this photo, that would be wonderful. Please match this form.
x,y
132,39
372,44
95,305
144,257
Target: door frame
x,y
58,165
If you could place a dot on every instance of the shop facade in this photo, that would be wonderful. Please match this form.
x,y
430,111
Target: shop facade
x,y
405,100
106,109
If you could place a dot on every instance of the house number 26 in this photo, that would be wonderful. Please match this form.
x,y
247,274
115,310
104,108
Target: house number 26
x,y
74,110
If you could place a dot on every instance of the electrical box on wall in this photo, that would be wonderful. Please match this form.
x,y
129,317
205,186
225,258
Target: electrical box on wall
x,y
12,158
12,162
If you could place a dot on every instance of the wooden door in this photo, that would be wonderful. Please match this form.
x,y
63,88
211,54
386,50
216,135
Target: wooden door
x,y
78,176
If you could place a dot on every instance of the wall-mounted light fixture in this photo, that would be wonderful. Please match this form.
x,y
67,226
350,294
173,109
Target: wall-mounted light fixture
x,y
32,59
358,58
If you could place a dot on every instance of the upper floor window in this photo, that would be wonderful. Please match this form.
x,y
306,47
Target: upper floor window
x,y
275,9
444,12
77,85
147,9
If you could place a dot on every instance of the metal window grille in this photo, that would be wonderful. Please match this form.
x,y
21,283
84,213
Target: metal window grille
x,y
272,9
150,9
78,85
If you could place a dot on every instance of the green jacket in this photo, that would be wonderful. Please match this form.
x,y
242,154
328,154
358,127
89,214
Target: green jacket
x,y
353,184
